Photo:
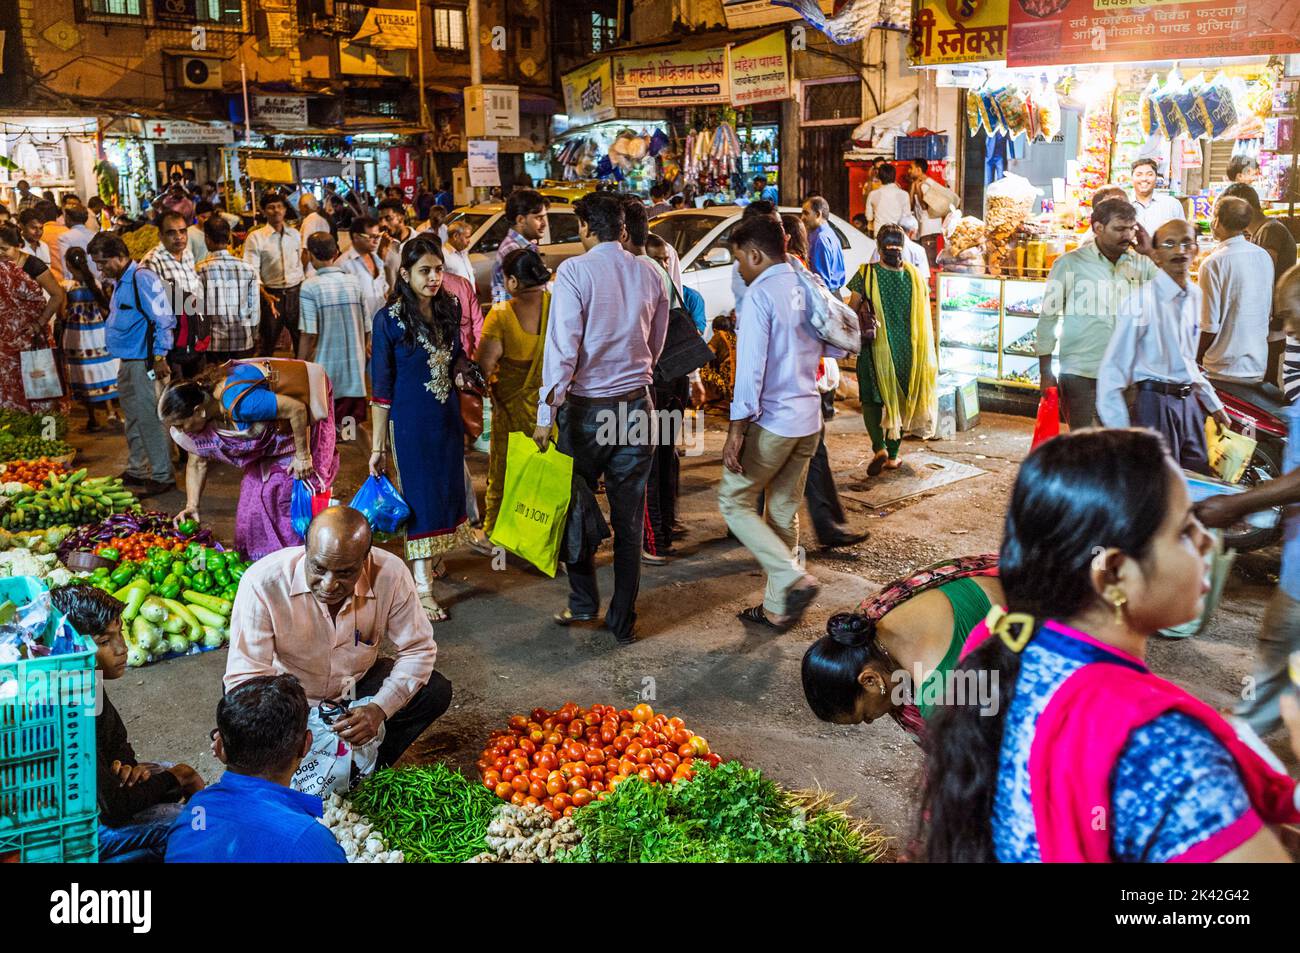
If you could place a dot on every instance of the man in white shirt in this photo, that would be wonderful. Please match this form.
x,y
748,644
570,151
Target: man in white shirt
x,y
455,250
1153,210
78,235
310,222
33,227
1236,288
932,203
776,421
275,252
362,261
887,204
1154,348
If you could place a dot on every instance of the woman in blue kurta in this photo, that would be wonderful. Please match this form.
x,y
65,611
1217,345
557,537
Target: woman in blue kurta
x,y
416,411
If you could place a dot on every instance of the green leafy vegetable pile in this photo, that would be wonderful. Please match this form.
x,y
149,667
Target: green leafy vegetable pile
x,y
430,813
727,814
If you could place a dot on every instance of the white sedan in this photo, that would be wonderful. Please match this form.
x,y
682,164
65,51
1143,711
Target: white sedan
x,y
488,221
700,237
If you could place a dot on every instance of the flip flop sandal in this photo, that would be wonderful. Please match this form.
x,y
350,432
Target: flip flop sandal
x,y
568,617
797,602
435,612
757,616
877,463
439,570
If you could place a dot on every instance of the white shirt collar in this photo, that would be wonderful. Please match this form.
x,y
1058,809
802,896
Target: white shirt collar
x,y
1167,289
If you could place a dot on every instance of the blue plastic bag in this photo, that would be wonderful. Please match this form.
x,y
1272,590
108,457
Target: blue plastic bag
x,y
381,504
300,508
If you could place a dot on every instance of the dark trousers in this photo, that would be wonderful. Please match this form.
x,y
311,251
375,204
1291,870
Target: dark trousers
x,y
1180,421
585,436
662,487
286,300
186,365
1079,397
405,726
823,499
142,841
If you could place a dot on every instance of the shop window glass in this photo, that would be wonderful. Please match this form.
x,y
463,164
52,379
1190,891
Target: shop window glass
x,y
449,29
604,31
228,12
117,8
562,226
832,102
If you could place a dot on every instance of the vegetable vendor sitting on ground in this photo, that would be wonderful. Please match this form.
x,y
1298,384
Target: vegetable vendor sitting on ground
x,y
320,611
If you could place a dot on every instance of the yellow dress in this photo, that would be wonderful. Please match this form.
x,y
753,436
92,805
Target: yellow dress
x,y
514,391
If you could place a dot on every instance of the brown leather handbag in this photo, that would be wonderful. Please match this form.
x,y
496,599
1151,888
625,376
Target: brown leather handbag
x,y
470,387
867,322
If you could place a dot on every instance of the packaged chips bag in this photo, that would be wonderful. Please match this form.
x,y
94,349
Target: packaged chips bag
x,y
1220,104
1171,123
1189,103
974,118
1011,102
989,101
1049,112
1148,114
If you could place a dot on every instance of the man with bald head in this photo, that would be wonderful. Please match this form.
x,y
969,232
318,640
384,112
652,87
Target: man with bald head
x,y
1236,301
1153,349
320,612
1279,635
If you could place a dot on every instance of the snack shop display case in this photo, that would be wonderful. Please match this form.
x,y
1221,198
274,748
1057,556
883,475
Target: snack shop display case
x,y
988,326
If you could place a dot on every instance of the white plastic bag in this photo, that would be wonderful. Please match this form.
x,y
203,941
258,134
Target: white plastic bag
x,y
332,765
833,321
40,376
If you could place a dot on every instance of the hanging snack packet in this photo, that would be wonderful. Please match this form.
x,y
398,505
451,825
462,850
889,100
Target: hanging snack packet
x,y
1011,101
974,116
1186,100
1171,121
1220,106
1049,112
1148,115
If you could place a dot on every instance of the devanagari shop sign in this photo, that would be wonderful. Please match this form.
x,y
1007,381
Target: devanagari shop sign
x,y
672,78
959,31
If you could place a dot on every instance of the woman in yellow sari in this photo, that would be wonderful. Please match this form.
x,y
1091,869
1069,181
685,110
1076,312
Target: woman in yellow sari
x,y
897,375
510,354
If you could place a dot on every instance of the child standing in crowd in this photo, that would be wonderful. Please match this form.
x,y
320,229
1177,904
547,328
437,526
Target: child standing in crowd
x,y
137,801
1078,728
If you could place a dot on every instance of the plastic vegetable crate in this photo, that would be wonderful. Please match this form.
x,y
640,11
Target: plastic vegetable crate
x,y
930,147
62,842
47,733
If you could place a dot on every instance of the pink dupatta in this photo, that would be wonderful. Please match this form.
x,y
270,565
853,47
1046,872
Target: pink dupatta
x,y
1081,735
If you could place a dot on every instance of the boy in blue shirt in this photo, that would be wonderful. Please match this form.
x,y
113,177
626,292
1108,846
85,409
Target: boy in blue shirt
x,y
252,815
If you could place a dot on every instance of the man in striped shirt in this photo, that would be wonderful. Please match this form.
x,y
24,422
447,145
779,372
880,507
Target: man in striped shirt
x,y
526,212
230,295
333,327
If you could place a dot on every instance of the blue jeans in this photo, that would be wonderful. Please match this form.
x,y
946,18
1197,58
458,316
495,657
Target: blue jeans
x,y
143,841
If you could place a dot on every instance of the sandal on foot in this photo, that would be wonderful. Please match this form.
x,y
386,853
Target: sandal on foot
x,y
877,463
757,616
568,617
797,602
435,612
893,464
439,569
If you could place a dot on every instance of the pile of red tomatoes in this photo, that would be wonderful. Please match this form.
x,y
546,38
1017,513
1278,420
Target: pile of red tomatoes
x,y
565,759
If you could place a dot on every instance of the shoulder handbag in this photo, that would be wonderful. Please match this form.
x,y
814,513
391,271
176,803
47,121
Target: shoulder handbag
x,y
833,321
301,380
867,322
684,348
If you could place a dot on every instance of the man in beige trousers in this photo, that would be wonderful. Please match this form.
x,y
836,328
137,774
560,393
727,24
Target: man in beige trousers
x,y
775,421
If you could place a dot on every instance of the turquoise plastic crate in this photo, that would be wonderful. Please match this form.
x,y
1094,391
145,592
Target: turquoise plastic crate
x,y
47,728
62,842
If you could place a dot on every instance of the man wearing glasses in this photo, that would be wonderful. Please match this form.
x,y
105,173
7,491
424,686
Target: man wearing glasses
x,y
1154,349
1084,291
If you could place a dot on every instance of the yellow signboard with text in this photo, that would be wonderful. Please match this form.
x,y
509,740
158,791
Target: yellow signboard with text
x,y
959,31
760,71
672,78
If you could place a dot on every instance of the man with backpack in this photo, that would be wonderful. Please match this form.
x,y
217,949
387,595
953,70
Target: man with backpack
x,y
172,261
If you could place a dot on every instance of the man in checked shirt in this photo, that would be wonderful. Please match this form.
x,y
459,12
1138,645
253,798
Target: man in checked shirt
x,y
172,261
229,295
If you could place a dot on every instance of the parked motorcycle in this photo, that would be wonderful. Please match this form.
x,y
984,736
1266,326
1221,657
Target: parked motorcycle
x,y
1250,416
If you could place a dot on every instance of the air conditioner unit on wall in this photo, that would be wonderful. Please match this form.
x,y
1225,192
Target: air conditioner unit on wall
x,y
198,72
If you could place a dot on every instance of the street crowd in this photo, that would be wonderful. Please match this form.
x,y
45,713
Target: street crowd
x,y
1102,545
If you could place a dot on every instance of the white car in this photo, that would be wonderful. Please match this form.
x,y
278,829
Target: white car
x,y
700,237
559,241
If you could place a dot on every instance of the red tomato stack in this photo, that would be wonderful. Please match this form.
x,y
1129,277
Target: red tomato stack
x,y
565,759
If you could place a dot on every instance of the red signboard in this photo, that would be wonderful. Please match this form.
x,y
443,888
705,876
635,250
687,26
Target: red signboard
x,y
402,162
1061,32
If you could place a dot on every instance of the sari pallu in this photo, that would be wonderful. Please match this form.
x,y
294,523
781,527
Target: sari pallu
x,y
21,303
917,410
1082,733
262,522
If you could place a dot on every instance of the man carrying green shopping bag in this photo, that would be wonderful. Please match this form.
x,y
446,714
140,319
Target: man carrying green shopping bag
x,y
608,322
534,503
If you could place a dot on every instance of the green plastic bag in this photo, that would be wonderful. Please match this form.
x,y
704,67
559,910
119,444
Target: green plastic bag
x,y
534,502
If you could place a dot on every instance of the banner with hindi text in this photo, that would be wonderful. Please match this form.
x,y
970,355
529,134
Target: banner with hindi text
x,y
759,71
672,78
959,31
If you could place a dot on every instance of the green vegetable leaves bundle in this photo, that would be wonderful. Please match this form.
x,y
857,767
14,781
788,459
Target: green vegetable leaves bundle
x,y
430,813
727,814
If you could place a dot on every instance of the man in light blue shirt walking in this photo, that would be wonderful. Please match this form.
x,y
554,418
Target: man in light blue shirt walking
x,y
139,334
825,257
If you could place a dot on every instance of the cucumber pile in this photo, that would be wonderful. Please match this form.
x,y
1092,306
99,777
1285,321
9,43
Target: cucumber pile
x,y
68,499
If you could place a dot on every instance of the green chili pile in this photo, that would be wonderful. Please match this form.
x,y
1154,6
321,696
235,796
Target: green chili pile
x,y
727,814
430,813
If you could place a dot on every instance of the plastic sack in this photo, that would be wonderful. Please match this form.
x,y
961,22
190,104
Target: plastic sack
x,y
833,321
1171,121
332,766
1048,423
305,503
1188,101
1220,106
1229,451
534,502
380,503
40,375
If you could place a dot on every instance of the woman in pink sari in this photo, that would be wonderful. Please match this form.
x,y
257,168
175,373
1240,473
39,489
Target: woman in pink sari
x,y
243,415
22,327
1071,748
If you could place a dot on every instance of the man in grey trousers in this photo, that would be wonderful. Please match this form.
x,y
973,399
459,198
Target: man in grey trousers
x,y
139,334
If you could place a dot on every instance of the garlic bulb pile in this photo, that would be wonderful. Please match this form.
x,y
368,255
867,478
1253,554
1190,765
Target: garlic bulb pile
x,y
360,841
526,835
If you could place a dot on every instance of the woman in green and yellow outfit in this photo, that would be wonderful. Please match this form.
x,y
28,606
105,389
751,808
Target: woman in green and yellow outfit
x,y
897,375
510,354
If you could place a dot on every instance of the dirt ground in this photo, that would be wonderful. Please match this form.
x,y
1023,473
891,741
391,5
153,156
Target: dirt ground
x,y
694,659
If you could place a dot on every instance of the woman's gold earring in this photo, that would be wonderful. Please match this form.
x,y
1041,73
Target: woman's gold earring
x,y
1118,600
